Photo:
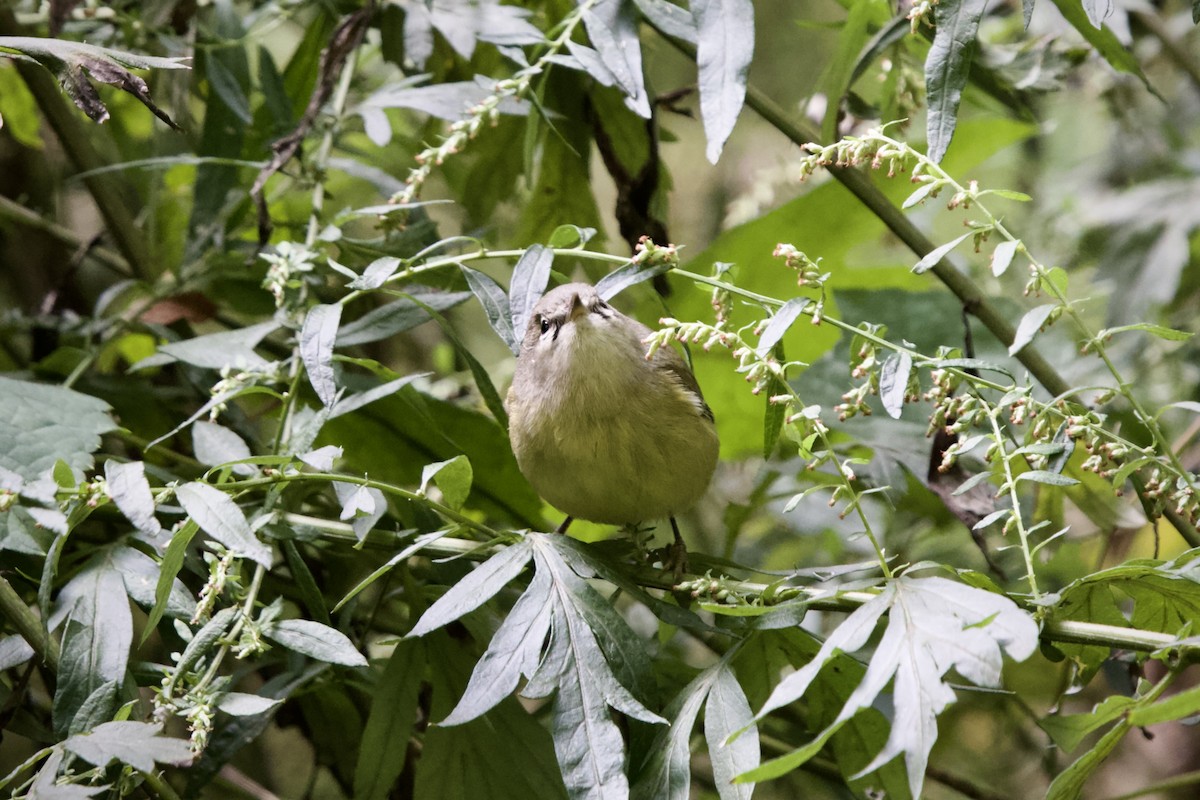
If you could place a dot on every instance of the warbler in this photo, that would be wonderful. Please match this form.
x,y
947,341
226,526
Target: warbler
x,y
602,432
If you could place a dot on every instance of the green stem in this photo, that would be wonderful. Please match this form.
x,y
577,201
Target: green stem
x,y
1010,481
28,625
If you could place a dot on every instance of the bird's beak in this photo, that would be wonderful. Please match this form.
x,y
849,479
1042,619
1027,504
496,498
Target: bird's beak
x,y
578,309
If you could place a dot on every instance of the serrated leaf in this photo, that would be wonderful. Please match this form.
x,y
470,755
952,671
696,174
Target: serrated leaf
x,y
725,46
934,624
589,745
1047,478
1069,783
1002,256
453,477
390,723
779,323
529,280
219,517
41,424
495,305
476,588
141,745
316,349
226,349
1029,326
934,256
946,69
1069,730
315,640
893,383
129,489
513,652
726,712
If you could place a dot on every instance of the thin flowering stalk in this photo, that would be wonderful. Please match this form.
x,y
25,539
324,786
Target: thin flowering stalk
x,y
487,110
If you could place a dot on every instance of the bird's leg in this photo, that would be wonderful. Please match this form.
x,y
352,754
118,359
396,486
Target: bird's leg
x,y
563,527
677,556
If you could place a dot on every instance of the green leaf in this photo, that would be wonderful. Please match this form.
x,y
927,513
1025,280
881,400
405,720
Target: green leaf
x,y
14,651
215,445
141,745
1069,783
935,256
1002,256
476,588
725,47
375,274
141,575
509,752
779,323
1069,730
240,704
128,488
226,349
835,81
933,625
314,601
631,274
726,712
1161,331
946,69
391,721
172,562
316,349
1028,327
362,506
483,381
613,31
495,305
96,640
668,774
226,87
1179,705
396,317
219,517
1047,478
347,405
893,383
41,424
316,641
453,477
1103,40
669,18
529,280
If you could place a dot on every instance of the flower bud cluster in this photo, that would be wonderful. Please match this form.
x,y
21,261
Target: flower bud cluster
x,y
233,379
289,273
218,574
810,275
872,148
648,254
921,10
719,589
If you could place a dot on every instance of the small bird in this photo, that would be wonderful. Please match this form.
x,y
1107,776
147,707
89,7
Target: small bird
x,y
600,431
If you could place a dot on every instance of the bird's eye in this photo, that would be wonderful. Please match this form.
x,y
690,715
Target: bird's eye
x,y
545,325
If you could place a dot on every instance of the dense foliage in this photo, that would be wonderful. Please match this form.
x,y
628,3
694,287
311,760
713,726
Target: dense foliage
x,y
935,267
